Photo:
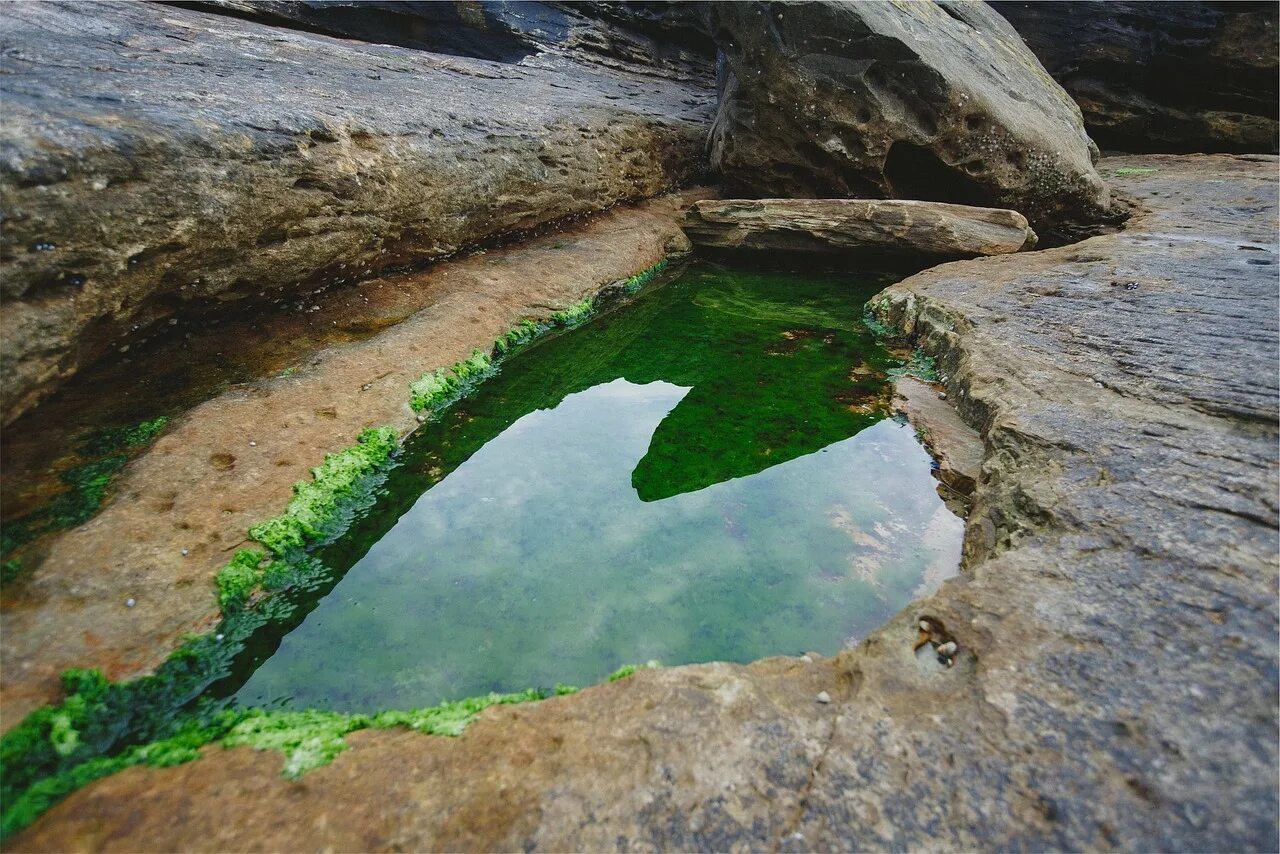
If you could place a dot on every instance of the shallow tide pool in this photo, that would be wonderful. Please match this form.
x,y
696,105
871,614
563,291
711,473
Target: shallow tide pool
x,y
706,473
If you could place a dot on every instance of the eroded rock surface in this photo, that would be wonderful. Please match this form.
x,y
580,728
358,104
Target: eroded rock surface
x,y
156,161
1113,683
1157,76
850,225
936,101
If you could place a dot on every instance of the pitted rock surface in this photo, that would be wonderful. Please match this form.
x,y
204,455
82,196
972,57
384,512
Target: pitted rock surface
x,y
1115,672
936,101
157,162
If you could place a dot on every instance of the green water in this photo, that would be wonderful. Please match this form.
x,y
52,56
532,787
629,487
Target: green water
x,y
706,473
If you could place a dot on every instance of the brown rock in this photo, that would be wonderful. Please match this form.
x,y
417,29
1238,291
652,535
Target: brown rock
x,y
867,225
158,162
922,100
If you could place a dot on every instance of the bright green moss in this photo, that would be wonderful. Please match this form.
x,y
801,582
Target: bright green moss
x,y
317,503
1126,171
441,387
631,669
644,277
575,314
526,331
239,578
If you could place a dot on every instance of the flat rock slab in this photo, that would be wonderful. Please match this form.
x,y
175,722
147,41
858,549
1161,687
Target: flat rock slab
x,y
1115,676
891,226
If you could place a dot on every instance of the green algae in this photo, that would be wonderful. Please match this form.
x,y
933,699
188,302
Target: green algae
x,y
919,365
240,578
1127,171
165,718
631,669
308,740
317,503
104,453
575,314
114,439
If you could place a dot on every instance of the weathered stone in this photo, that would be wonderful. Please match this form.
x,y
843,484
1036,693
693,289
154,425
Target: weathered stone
x,y
867,225
1113,684
1158,76
155,162
658,38
937,101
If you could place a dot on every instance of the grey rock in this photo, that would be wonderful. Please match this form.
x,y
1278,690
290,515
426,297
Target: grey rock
x,y
857,225
934,101
1160,76
178,161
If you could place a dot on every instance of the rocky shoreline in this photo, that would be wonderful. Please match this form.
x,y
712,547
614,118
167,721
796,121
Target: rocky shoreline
x,y
1114,624
353,203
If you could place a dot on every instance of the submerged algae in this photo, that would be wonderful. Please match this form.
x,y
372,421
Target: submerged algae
x,y
104,453
102,727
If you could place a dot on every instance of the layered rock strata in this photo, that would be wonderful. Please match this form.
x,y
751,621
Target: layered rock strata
x,y
157,162
909,228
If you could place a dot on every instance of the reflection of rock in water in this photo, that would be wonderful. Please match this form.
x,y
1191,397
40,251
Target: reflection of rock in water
x,y
942,540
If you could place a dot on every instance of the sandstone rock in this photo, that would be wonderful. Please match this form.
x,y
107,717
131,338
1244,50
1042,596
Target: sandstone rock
x,y
867,225
157,161
1193,76
936,101
1113,684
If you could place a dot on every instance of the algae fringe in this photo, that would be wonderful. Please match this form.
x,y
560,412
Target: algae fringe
x,y
436,390
165,718
105,452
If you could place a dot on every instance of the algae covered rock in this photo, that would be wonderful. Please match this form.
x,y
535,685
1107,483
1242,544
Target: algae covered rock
x,y
936,101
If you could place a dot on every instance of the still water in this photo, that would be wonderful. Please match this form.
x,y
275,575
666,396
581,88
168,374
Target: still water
x,y
705,473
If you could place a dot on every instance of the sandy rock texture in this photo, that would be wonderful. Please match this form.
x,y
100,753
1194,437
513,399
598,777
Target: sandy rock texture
x,y
159,162
857,225
1113,681
937,101
1160,76
183,507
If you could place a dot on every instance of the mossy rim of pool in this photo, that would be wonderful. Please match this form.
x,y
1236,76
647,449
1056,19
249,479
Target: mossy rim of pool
x,y
163,718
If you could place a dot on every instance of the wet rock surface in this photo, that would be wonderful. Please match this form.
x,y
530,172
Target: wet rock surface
x,y
178,512
1103,675
1175,77
935,101
157,161
857,225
